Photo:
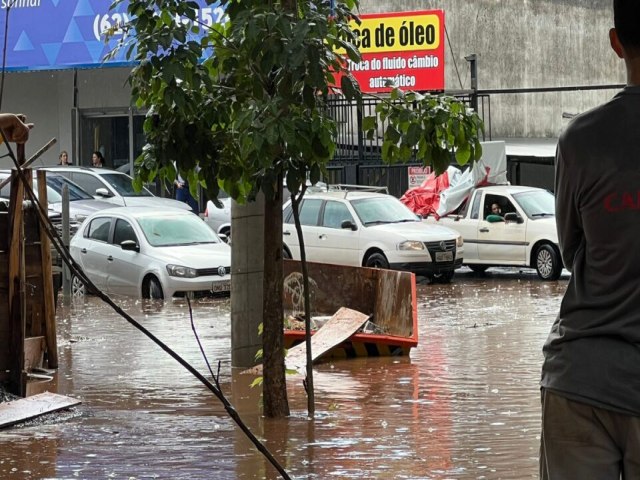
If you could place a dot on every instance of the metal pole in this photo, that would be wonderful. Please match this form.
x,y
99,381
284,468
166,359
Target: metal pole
x,y
66,274
473,65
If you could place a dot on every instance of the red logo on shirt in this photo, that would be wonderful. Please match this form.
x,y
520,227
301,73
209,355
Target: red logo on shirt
x,y
619,202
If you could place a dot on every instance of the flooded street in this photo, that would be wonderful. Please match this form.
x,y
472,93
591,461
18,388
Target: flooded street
x,y
464,405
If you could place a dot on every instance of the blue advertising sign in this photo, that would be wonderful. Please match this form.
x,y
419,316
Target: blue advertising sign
x,y
59,34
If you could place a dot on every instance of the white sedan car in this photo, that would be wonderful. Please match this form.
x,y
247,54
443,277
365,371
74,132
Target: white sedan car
x,y
372,230
141,251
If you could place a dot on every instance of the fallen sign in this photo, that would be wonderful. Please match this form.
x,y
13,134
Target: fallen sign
x,y
24,409
344,323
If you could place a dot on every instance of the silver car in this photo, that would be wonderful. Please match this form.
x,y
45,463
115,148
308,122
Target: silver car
x,y
151,253
114,187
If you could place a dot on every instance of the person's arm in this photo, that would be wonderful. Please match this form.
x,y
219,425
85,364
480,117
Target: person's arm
x,y
568,220
14,127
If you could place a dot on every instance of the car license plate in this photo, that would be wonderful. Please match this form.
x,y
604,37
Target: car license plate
x,y
223,286
444,256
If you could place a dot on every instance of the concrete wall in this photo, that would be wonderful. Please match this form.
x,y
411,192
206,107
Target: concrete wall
x,y
526,44
47,98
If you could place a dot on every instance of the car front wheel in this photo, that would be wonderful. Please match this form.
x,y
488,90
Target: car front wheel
x,y
151,288
548,263
77,287
376,260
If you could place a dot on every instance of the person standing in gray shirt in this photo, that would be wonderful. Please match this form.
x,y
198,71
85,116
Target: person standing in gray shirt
x,y
591,371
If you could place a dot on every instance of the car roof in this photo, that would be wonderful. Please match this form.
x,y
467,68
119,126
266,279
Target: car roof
x,y
71,168
142,212
501,189
345,194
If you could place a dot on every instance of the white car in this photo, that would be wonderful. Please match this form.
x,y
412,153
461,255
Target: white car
x,y
372,230
141,251
114,187
219,219
523,235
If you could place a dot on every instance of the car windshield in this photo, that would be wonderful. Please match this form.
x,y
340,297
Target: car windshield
x,y
121,183
536,203
386,209
54,189
166,231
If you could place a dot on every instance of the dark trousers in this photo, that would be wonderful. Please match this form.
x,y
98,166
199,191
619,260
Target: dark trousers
x,y
581,442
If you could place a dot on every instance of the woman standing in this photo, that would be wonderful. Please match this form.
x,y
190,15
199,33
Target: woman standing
x,y
63,158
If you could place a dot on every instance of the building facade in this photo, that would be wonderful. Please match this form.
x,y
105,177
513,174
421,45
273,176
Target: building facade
x,y
523,49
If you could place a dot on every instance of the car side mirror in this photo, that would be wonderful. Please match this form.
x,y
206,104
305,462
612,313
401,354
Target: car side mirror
x,y
348,224
130,246
103,192
513,217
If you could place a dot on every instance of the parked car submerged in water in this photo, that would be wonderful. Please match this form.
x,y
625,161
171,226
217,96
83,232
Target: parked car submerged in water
x,y
372,230
150,253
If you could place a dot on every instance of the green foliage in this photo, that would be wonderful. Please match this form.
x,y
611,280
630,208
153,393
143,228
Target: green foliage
x,y
254,109
437,129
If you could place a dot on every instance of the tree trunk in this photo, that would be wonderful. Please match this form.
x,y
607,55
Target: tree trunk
x,y
274,387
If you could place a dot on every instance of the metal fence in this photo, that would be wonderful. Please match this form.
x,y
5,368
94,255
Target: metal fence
x,y
358,160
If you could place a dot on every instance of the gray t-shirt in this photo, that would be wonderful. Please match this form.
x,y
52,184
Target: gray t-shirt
x,y
592,354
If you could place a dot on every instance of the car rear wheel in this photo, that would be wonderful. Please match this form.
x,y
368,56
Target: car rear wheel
x,y
376,260
77,287
152,289
285,254
548,263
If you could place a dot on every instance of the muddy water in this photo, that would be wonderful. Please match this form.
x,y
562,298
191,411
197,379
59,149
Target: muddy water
x,y
464,405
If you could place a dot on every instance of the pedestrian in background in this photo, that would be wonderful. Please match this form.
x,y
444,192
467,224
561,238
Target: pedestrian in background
x,y
63,158
184,195
591,370
97,160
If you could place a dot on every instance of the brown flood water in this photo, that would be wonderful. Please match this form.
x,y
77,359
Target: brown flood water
x,y
464,405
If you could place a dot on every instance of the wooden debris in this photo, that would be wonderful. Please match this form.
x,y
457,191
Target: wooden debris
x,y
28,408
339,328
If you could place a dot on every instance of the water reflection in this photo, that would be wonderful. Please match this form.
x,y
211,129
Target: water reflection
x,y
465,405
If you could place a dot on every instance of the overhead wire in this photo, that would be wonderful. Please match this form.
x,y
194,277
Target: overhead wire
x,y
453,56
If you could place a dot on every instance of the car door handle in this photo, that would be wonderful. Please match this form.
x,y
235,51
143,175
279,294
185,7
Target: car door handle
x,y
84,250
484,230
110,258
322,236
286,232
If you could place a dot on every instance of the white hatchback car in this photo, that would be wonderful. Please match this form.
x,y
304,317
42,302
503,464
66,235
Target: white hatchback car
x,y
372,230
141,251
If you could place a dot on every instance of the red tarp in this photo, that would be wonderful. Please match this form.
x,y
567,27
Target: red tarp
x,y
425,199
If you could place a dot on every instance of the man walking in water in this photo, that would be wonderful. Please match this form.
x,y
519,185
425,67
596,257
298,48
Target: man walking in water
x,y
591,370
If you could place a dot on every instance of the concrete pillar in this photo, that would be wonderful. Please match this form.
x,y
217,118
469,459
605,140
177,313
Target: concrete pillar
x,y
247,273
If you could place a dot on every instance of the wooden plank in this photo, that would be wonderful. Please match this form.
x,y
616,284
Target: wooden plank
x,y
33,352
49,312
344,323
27,408
16,286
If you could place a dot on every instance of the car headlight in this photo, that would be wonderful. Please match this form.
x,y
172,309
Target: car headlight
x,y
459,241
180,271
411,245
